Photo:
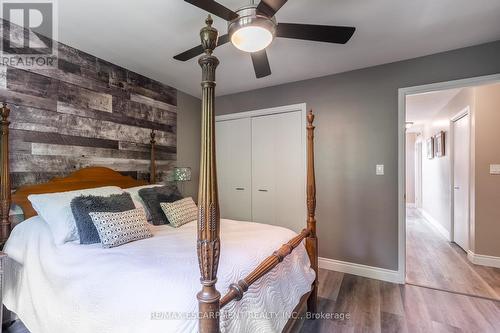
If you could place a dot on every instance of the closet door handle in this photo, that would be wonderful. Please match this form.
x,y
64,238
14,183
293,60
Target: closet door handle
x,y
240,189
262,190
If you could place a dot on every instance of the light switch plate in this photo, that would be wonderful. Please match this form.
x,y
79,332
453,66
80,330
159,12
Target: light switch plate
x,y
494,169
379,170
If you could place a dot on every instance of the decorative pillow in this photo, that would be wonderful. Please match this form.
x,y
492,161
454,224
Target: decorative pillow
x,y
81,207
116,229
180,212
152,198
134,192
55,209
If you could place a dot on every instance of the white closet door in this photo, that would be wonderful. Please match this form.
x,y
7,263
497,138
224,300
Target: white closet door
x,y
234,162
278,171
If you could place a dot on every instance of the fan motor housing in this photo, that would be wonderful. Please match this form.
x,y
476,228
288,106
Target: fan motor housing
x,y
248,16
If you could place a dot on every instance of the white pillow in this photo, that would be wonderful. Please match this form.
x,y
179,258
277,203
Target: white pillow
x,y
55,209
134,193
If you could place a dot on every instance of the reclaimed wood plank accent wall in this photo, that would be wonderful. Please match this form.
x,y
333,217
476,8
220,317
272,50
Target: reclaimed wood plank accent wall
x,y
87,112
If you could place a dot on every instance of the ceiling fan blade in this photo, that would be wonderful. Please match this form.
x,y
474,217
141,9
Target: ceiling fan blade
x,y
319,33
261,64
215,8
270,7
189,54
198,50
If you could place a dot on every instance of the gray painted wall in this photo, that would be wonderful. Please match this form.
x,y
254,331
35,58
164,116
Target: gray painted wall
x,y
188,140
357,123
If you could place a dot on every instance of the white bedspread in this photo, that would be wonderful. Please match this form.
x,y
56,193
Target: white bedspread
x,y
140,286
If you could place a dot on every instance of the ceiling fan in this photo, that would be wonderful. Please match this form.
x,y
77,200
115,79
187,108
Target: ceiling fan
x,y
253,27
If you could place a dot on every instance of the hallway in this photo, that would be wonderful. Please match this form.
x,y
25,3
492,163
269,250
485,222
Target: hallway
x,y
434,262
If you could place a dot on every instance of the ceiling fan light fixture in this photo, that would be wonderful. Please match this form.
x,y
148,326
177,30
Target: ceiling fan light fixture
x,y
251,38
251,32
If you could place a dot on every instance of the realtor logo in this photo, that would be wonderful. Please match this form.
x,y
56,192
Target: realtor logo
x,y
29,30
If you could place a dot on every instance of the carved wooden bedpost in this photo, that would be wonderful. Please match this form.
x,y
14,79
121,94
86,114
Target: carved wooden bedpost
x,y
311,240
5,177
152,171
208,204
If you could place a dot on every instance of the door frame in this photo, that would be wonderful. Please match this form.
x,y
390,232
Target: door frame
x,y
402,94
463,113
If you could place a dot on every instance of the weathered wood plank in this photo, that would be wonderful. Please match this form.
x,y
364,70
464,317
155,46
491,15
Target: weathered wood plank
x,y
146,147
144,111
145,86
85,98
152,102
54,138
3,77
18,99
30,177
81,77
46,121
27,163
117,76
64,150
168,126
30,83
33,177
76,57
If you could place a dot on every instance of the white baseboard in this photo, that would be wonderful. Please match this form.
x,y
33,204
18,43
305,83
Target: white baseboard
x,y
480,259
435,224
361,270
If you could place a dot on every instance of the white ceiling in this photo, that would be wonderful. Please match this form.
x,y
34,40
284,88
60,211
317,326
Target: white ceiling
x,y
421,108
144,35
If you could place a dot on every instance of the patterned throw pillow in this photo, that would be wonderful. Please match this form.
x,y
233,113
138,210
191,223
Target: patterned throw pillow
x,y
180,212
116,229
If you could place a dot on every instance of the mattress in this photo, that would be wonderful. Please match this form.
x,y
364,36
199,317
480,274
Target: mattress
x,y
148,285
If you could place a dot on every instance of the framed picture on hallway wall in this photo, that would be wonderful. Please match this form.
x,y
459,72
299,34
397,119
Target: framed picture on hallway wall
x,y
430,148
439,144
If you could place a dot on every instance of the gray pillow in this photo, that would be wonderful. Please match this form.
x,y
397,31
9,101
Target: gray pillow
x,y
152,198
83,205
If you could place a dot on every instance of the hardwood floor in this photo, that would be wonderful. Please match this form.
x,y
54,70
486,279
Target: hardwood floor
x,y
434,262
377,306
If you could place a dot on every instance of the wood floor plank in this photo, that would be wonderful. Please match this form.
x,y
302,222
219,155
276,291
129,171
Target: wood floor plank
x,y
392,323
434,262
391,300
329,284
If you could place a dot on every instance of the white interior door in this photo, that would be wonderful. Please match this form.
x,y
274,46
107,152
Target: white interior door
x,y
234,163
418,174
461,162
278,174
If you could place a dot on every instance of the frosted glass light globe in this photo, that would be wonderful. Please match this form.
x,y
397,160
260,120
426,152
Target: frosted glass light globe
x,y
251,38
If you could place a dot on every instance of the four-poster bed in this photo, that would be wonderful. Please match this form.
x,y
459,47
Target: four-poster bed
x,y
210,301
209,297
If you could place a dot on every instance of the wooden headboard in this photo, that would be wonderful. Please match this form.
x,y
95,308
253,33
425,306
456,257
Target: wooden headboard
x,y
91,177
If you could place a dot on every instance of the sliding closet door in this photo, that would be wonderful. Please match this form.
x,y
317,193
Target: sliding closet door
x,y
233,138
278,170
